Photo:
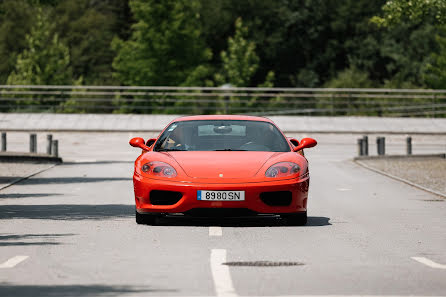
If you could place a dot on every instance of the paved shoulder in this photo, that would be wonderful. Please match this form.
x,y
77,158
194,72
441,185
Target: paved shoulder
x,y
12,172
427,173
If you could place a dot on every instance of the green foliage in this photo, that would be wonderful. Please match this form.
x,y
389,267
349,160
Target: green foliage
x,y
165,46
45,61
240,61
411,11
269,80
301,43
435,71
200,76
88,27
239,65
290,36
350,78
16,19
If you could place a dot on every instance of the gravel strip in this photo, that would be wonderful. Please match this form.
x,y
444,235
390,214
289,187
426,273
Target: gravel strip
x,y
12,172
428,173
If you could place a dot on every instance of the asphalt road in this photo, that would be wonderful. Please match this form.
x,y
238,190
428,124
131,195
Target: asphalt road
x,y
70,231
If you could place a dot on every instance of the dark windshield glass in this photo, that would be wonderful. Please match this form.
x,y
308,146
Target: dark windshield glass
x,y
222,135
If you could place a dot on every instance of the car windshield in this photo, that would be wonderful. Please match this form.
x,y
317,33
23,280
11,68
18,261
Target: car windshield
x,y
222,135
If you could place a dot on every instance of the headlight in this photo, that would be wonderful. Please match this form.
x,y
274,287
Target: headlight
x,y
158,168
283,169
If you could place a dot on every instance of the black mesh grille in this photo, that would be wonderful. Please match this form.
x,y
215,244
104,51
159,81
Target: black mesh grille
x,y
279,198
164,197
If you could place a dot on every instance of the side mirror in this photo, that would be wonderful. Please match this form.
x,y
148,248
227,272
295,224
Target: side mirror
x,y
150,142
294,141
139,142
305,143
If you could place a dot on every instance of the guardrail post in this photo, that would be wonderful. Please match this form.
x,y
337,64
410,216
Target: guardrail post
x,y
381,145
3,141
360,147
409,145
49,140
55,148
365,145
381,142
378,145
33,143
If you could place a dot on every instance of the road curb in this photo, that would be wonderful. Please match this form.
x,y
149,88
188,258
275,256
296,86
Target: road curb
x,y
357,161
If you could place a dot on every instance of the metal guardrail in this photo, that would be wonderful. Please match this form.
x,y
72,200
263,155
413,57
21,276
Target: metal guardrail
x,y
212,100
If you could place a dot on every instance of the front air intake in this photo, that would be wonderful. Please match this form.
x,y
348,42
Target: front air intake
x,y
158,197
279,198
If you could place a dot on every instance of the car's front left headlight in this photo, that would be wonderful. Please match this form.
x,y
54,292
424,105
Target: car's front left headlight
x,y
158,168
283,169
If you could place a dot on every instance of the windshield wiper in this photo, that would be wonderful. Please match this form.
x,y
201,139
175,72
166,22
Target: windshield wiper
x,y
231,150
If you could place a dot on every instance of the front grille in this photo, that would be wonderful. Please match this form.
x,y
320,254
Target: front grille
x,y
158,197
279,198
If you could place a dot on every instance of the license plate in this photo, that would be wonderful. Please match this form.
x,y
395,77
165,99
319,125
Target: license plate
x,y
221,195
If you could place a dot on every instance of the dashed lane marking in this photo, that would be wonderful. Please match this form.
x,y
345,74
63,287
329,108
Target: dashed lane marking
x,y
220,273
429,262
13,261
215,231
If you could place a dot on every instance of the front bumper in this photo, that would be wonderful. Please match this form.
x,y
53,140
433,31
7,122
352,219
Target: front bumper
x,y
143,186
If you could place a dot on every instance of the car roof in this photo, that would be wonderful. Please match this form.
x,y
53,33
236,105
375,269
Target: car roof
x,y
222,117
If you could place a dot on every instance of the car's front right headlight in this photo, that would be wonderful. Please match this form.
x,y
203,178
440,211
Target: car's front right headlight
x,y
283,169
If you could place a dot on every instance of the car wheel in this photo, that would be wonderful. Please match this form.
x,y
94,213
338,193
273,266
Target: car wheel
x,y
296,219
146,219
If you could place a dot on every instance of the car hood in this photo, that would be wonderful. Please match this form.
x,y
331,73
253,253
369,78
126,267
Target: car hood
x,y
221,164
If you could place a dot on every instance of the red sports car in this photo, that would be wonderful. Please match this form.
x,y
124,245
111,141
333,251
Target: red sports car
x,y
221,164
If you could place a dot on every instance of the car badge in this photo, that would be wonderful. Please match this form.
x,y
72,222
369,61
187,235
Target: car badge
x,y
220,175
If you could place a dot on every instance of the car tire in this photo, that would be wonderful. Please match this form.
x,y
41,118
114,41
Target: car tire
x,y
296,219
145,219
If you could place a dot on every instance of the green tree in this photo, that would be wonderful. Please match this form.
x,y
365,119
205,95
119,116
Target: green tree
x,y
240,62
349,78
435,70
45,60
404,40
16,20
413,11
88,28
165,46
239,65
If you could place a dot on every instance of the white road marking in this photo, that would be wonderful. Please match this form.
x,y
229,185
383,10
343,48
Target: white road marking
x,y
13,261
220,273
429,263
343,189
215,231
